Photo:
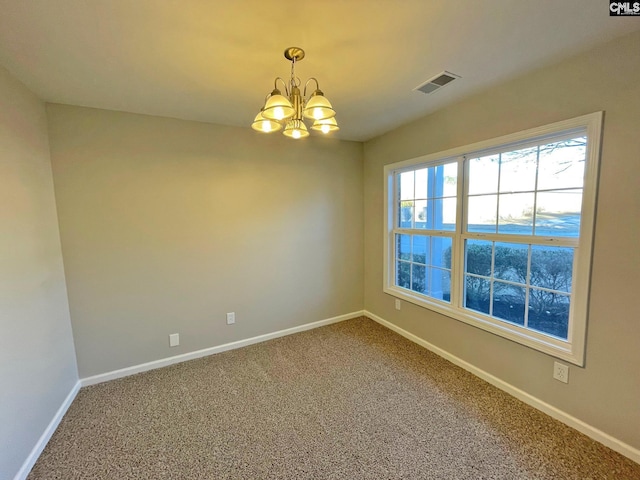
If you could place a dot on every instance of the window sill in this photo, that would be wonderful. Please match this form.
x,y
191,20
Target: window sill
x,y
546,344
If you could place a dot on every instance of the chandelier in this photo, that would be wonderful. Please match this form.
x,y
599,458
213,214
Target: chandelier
x,y
288,111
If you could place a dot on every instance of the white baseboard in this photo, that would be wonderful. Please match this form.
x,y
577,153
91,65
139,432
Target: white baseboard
x,y
46,435
125,372
596,434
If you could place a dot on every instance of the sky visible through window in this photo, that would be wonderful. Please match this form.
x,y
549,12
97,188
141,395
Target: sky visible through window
x,y
504,192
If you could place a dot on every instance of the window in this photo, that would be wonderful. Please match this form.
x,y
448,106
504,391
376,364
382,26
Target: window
x,y
426,223
498,234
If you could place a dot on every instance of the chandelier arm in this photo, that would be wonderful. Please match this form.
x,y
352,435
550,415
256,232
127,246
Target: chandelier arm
x,y
275,85
304,94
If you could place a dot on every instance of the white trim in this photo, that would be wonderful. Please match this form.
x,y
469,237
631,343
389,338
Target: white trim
x,y
143,367
583,427
46,435
530,338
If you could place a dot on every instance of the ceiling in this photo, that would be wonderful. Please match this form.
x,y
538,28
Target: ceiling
x,y
214,61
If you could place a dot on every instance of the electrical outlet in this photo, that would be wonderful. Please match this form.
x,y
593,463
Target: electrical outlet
x,y
174,339
561,372
398,304
231,318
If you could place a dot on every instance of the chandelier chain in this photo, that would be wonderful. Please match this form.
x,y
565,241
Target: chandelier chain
x,y
294,81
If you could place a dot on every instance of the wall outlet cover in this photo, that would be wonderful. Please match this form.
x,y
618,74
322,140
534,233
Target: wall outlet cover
x,y
561,372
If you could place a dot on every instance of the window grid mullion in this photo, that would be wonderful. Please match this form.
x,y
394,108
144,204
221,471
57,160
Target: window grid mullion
x,y
528,284
535,194
396,201
492,277
425,232
415,212
411,262
457,260
498,192
523,239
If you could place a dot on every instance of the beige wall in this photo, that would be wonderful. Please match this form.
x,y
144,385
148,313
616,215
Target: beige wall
x,y
166,225
605,393
37,360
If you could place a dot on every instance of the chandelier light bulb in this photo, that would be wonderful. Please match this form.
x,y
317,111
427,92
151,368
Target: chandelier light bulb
x,y
264,125
278,113
278,107
296,129
326,126
318,107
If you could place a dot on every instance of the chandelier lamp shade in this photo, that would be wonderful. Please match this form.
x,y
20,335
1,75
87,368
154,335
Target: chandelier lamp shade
x,y
290,110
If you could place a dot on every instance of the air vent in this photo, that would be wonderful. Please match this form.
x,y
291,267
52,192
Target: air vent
x,y
437,82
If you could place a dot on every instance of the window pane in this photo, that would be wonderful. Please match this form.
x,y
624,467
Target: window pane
x,y
406,213
450,188
561,164
478,257
403,271
440,284
418,278
421,188
405,186
476,293
483,174
420,249
437,174
482,214
511,261
515,213
558,213
441,252
518,170
429,222
420,210
403,247
549,312
508,302
552,267
444,214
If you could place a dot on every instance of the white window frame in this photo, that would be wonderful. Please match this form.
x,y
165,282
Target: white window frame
x,y
572,349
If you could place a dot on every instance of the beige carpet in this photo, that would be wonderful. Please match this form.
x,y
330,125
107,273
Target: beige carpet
x,y
348,401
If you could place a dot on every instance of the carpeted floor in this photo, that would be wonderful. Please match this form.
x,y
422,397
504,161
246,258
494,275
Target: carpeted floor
x,y
347,401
